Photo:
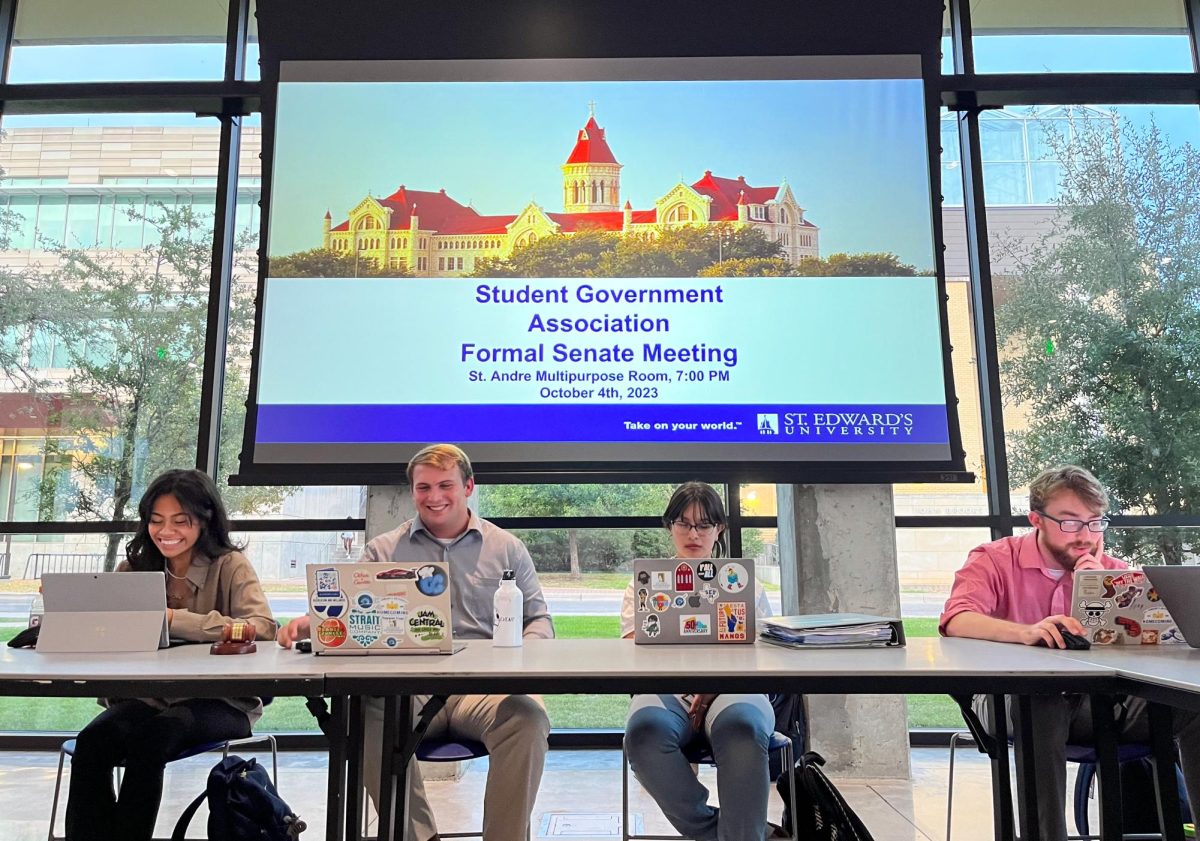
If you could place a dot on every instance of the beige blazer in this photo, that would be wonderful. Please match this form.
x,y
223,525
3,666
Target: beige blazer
x,y
223,590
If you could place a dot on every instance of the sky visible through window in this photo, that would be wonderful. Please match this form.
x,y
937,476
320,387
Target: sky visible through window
x,y
1083,53
1077,54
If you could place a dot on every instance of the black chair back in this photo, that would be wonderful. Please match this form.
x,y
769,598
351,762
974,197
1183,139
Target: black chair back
x,y
984,740
791,719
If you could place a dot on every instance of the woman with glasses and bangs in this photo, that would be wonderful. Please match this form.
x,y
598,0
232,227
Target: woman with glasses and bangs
x,y
738,727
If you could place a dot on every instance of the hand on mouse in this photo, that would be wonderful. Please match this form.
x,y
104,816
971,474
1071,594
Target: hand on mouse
x,y
1047,633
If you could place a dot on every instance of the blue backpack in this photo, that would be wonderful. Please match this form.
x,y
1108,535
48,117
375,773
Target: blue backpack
x,y
242,805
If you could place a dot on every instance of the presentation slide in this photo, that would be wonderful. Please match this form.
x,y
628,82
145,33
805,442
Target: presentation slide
x,y
717,260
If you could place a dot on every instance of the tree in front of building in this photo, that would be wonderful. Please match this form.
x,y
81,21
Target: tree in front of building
x,y
23,302
750,267
318,262
683,251
866,264
131,329
574,550
1100,327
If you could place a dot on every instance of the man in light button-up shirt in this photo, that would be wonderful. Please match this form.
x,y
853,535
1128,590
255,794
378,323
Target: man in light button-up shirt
x,y
513,727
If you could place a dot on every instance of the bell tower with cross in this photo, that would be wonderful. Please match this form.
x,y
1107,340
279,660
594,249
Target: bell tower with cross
x,y
591,175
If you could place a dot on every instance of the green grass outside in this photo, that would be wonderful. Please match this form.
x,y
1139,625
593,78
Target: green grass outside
x,y
566,711
603,581
930,710
921,627
587,581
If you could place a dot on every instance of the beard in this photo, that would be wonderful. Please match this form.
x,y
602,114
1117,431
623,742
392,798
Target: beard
x,y
1067,558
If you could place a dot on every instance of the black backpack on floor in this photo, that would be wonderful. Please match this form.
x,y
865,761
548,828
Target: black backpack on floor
x,y
821,811
242,805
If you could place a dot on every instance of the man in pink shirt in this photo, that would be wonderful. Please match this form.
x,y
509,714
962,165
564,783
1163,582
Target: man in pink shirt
x,y
1018,589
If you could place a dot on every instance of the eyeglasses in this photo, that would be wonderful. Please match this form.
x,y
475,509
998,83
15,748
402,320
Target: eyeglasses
x,y
1072,526
683,527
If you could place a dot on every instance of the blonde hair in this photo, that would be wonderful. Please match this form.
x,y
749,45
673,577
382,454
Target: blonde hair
x,y
1067,477
443,457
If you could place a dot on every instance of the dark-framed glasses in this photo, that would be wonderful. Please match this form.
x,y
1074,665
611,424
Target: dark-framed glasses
x,y
1073,526
683,527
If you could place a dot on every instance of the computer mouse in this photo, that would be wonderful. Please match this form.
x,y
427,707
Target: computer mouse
x,y
1074,642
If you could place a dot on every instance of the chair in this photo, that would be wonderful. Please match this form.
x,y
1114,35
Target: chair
x,y
439,750
1083,755
68,749
699,752
1086,757
454,750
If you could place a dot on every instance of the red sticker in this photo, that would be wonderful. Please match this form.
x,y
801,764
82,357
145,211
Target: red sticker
x,y
1131,626
331,633
684,582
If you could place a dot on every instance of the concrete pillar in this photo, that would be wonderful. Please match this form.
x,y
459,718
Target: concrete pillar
x,y
837,553
387,507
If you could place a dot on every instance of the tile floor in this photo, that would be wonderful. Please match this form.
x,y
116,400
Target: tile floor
x,y
580,797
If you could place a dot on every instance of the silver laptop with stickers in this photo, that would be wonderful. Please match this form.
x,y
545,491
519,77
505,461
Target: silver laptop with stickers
x,y
683,600
374,608
1121,607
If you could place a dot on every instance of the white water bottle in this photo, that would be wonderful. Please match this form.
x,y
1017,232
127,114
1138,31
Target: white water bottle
x,y
508,622
36,609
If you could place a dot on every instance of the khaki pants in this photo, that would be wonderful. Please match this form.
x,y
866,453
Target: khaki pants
x,y
513,727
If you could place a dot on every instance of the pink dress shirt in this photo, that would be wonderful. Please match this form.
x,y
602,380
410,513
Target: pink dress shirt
x,y
1008,579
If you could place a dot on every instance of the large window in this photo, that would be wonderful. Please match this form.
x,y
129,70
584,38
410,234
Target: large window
x,y
1080,36
119,40
1095,297
1021,165
104,379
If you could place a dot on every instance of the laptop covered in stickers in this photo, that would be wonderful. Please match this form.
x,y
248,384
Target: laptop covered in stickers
x,y
689,601
380,608
1121,607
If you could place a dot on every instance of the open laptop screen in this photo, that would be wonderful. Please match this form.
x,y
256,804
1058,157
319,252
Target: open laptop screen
x,y
103,612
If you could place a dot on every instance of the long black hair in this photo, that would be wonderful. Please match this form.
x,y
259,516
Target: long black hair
x,y
198,496
709,501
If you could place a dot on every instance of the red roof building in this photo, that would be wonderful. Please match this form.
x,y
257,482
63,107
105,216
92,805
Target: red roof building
x,y
431,234
590,146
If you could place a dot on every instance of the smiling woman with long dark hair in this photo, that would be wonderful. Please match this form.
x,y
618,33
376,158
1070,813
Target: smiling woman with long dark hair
x,y
182,532
197,496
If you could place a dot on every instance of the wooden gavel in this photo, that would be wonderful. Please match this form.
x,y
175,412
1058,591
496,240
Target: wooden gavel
x,y
236,638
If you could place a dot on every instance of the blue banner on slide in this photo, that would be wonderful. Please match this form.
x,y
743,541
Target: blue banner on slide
x,y
373,424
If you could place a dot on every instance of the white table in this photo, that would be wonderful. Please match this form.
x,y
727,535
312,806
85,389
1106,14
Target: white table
x,y
182,671
594,666
619,665
606,666
1166,672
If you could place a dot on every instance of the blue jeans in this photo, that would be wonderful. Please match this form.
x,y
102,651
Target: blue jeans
x,y
739,729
